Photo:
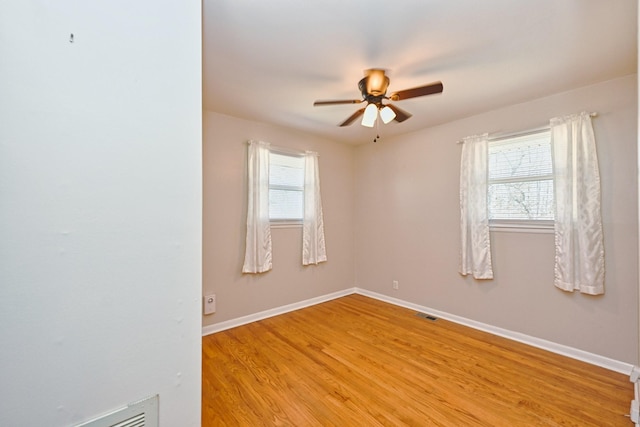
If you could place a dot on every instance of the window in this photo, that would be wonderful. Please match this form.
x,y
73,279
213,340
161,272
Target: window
x,y
282,189
286,187
520,185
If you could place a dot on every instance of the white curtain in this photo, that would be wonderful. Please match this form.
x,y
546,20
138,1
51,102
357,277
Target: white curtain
x,y
579,260
257,257
475,256
313,248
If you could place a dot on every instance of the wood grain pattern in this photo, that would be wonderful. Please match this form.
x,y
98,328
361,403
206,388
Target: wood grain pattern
x,y
356,361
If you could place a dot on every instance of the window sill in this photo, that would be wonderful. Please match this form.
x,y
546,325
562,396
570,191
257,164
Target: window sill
x,y
545,227
286,224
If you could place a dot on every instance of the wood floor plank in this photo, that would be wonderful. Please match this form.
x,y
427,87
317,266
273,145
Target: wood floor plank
x,y
357,361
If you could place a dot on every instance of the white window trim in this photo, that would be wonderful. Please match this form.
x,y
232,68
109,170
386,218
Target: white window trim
x,y
286,151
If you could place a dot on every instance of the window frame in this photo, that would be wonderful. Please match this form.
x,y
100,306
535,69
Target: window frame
x,y
286,222
519,225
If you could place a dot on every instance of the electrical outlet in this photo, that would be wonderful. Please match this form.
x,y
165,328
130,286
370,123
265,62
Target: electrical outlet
x,y
395,284
209,304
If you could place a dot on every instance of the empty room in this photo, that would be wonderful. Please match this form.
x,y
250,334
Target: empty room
x,y
308,330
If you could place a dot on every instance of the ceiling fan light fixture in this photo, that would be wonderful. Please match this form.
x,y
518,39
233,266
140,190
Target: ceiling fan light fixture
x,y
370,115
387,114
376,82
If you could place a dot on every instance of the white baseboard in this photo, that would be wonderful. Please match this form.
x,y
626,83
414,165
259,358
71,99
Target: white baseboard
x,y
594,359
574,353
217,327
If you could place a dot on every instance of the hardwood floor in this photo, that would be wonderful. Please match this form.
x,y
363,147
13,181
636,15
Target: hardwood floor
x,y
357,361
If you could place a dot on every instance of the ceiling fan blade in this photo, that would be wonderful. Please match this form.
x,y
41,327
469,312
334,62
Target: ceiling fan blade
x,y
401,115
352,117
337,101
429,89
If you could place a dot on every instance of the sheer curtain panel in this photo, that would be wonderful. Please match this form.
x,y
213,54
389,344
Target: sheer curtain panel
x,y
257,257
313,247
579,247
475,254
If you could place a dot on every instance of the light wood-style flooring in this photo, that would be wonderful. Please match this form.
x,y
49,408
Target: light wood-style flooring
x,y
357,361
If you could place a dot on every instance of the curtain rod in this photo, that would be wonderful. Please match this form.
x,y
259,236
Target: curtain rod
x,y
499,136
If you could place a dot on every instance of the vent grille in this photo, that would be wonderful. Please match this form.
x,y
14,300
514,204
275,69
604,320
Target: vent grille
x,y
427,316
135,421
143,413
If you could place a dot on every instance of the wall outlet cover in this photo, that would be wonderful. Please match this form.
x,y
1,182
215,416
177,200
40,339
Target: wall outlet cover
x,y
209,304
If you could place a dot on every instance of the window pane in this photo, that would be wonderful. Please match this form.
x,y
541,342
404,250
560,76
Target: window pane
x,y
521,200
524,156
521,178
286,187
286,204
286,170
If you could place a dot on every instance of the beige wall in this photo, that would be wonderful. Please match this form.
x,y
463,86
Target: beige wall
x,y
407,210
224,222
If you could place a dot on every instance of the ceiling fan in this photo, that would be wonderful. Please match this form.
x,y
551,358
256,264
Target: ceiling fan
x,y
374,90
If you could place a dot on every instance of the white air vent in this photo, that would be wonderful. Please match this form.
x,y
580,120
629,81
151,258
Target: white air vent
x,y
143,413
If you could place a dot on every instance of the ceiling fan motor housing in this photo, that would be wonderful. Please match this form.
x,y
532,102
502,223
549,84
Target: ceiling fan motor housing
x,y
371,98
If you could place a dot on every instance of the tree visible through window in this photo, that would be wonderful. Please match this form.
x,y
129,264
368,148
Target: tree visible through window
x,y
520,185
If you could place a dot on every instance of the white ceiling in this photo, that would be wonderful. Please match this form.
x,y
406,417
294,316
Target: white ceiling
x,y
269,60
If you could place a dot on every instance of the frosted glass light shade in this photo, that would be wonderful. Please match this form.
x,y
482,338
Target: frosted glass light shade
x,y
387,114
370,115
